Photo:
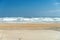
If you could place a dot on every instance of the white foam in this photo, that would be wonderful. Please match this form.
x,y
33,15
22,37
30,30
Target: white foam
x,y
29,20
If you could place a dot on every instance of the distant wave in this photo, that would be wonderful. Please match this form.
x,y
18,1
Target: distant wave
x,y
29,20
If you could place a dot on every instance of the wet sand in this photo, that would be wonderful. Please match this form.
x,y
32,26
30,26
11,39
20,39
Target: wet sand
x,y
34,26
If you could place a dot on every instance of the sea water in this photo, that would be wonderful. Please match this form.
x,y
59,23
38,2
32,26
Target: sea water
x,y
30,20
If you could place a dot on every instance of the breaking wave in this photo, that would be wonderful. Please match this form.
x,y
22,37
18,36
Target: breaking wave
x,y
29,20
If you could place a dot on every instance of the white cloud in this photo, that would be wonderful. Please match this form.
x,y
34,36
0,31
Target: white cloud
x,y
56,4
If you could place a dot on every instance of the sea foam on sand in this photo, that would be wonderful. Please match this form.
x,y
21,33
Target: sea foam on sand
x,y
29,35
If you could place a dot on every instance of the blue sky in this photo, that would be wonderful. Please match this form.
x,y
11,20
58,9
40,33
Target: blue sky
x,y
29,8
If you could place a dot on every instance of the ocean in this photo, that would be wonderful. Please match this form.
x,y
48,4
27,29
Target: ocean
x,y
30,20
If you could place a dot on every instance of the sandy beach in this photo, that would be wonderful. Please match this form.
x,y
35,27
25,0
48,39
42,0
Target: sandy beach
x,y
43,32
18,25
29,35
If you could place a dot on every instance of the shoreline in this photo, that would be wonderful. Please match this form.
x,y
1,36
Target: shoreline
x,y
34,26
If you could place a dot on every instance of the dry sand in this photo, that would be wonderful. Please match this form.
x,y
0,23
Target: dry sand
x,y
48,32
29,35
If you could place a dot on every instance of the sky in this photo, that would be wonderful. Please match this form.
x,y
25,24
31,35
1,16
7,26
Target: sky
x,y
29,8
